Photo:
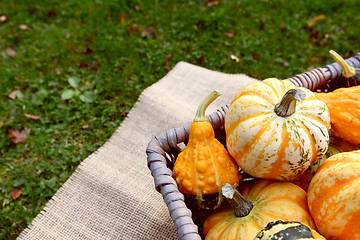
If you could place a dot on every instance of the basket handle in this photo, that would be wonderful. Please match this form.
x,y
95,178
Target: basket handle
x,y
318,77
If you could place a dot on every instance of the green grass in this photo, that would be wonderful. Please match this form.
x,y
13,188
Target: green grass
x,y
94,55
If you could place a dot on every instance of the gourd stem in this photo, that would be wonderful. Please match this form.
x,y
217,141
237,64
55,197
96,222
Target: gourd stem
x,y
239,204
348,71
287,106
200,113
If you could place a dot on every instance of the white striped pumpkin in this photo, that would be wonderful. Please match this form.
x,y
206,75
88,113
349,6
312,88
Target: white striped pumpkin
x,y
334,196
272,137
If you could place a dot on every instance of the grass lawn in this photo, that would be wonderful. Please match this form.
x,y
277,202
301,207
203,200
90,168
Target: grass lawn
x,y
71,70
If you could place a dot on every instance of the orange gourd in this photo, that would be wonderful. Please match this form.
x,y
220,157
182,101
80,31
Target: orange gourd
x,y
344,105
334,196
204,166
254,206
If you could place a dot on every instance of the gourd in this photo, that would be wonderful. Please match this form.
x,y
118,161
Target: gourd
x,y
204,166
344,105
351,74
253,206
287,231
275,130
334,196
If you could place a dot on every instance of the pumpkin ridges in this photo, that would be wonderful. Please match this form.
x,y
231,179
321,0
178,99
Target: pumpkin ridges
x,y
231,129
277,90
249,146
327,210
344,112
334,195
310,135
254,152
276,169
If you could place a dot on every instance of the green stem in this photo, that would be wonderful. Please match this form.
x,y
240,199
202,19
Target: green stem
x,y
200,113
287,106
239,204
348,71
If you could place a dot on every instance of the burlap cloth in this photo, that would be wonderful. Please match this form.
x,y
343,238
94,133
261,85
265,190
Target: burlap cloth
x,y
111,195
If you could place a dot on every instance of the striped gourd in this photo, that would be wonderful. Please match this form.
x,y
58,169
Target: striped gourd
x,y
334,196
275,130
288,231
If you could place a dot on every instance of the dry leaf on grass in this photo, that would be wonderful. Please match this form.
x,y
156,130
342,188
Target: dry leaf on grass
x,y
148,32
16,193
315,19
12,95
11,52
3,18
233,57
35,117
18,136
24,27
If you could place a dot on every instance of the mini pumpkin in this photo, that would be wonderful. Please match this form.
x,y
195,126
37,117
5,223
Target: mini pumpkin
x,y
204,166
334,196
286,230
275,130
254,206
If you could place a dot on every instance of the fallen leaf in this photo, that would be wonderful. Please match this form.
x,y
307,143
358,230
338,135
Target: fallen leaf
x,y
87,51
315,19
83,65
233,57
11,52
95,65
16,193
121,18
285,63
35,117
17,136
282,27
3,18
201,61
211,3
133,28
52,14
24,27
255,57
33,12
149,31
13,94
167,61
229,35
261,24
85,126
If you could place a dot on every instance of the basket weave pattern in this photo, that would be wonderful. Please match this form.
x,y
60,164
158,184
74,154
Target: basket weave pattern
x,y
163,149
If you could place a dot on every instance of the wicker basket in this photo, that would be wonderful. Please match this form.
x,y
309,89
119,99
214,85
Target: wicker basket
x,y
164,148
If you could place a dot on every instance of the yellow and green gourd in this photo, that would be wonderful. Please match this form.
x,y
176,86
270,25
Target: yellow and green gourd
x,y
288,230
